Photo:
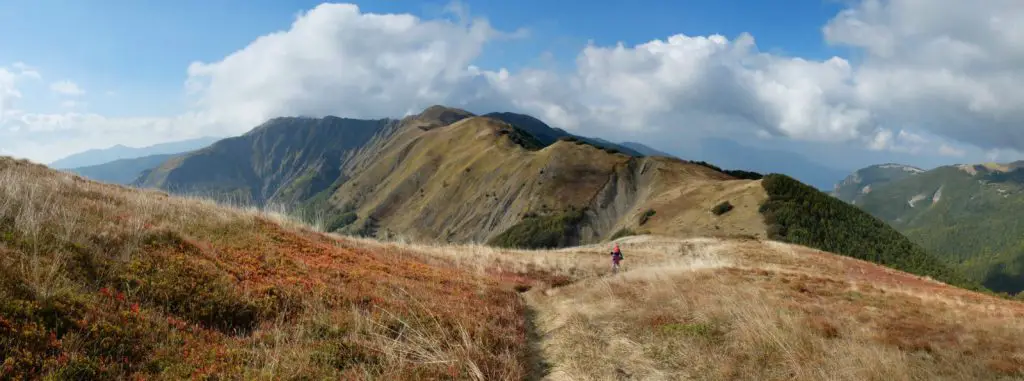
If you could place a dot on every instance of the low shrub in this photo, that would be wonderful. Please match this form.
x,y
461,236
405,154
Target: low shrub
x,y
624,232
721,208
558,230
341,221
646,216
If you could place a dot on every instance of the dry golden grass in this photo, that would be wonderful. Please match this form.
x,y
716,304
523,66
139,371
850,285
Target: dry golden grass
x,y
341,307
755,311
100,281
726,309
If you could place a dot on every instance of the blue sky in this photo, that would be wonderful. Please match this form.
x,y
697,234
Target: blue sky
x,y
885,96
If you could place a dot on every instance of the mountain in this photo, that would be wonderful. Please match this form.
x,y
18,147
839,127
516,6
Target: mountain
x,y
284,160
99,281
727,153
864,180
447,176
100,156
968,215
644,150
122,171
547,135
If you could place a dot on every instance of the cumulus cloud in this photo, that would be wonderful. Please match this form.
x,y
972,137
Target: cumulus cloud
x,y
336,60
66,87
953,67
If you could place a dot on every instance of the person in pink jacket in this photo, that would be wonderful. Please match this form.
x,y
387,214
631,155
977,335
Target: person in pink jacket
x,y
616,258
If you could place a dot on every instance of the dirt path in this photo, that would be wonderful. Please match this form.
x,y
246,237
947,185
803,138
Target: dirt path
x,y
539,366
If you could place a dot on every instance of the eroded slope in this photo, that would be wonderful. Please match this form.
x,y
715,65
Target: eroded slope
x,y
477,178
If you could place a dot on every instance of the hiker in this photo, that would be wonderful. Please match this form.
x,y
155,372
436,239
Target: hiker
x,y
616,257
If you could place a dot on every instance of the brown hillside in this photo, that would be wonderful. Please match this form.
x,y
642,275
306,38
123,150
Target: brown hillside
x,y
735,309
470,181
102,282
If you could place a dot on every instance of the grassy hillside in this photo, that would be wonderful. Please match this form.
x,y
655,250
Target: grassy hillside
x,y
480,179
863,181
799,214
725,309
285,160
968,216
447,175
102,282
123,171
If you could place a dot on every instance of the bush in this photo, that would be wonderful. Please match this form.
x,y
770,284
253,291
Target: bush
x,y
646,216
522,138
341,221
799,214
625,231
721,208
546,232
737,173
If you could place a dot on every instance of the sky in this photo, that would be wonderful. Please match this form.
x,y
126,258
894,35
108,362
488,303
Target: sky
x,y
845,83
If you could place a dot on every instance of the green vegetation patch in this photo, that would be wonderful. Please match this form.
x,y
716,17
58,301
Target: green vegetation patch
x,y
737,173
522,138
722,208
799,214
647,216
624,232
542,232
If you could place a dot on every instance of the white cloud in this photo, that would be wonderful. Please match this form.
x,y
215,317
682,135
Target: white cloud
x,y
66,87
336,60
953,67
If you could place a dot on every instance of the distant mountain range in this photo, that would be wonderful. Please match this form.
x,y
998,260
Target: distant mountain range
x,y
968,215
122,171
101,156
727,153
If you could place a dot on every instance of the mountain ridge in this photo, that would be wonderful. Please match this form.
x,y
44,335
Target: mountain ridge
x,y
965,214
94,157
